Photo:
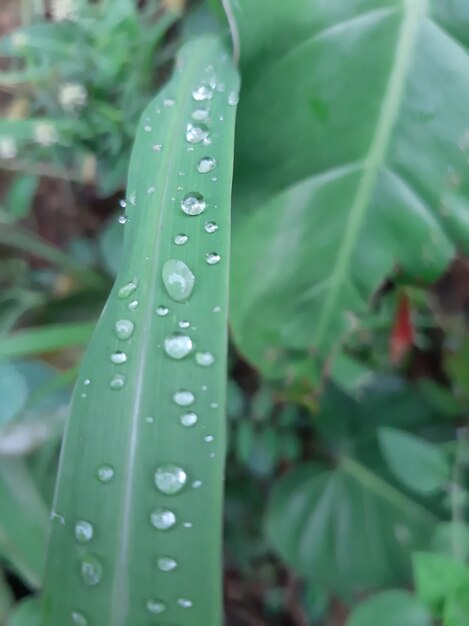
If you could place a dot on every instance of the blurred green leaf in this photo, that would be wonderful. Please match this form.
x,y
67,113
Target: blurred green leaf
x,y
13,392
111,244
6,597
436,576
45,339
456,611
21,195
26,613
390,608
450,537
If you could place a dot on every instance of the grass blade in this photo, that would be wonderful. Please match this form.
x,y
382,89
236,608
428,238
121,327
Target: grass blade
x,y
144,447
45,339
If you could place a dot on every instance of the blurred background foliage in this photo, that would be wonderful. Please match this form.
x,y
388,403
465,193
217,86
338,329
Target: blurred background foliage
x,y
348,450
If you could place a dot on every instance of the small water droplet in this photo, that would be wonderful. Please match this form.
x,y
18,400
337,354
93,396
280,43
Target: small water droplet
x,y
156,607
204,358
162,519
124,329
157,147
233,98
105,473
196,484
212,455
178,346
214,405
203,92
181,239
189,419
221,118
184,324
212,258
170,479
182,173
214,179
187,524
122,219
216,309
87,381
79,619
184,398
118,357
122,203
200,115
166,564
91,569
133,305
185,603
151,190
127,290
195,133
209,438
147,128
83,395
206,164
133,198
193,203
169,102
162,311
117,382
149,419
178,280
83,531
211,227
204,387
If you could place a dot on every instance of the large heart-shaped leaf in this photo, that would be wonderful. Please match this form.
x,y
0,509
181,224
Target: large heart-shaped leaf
x,y
350,160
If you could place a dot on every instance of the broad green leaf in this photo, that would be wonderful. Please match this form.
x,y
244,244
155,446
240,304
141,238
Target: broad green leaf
x,y
342,169
437,576
419,465
137,510
390,608
345,528
26,613
13,392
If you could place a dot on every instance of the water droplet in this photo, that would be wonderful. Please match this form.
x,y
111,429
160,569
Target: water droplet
x,y
118,357
216,309
185,603
204,387
193,203
206,164
196,484
91,569
170,479
211,227
83,531
212,258
178,280
187,524
203,92
182,173
126,290
156,607
162,311
122,219
169,102
214,179
209,438
117,382
162,519
204,358
105,473
122,203
79,619
233,98
184,398
195,133
189,419
180,239
157,147
151,190
149,419
212,455
133,305
87,381
166,564
214,405
133,198
221,118
83,395
178,346
184,324
147,128
200,115
124,329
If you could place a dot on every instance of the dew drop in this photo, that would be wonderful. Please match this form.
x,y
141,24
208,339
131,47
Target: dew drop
x,y
133,198
212,258
209,438
195,133
189,419
151,190
203,92
124,329
91,569
169,102
118,357
162,519
105,473
147,128
196,484
187,524
211,227
200,115
204,358
214,179
233,98
79,619
133,305
162,311
117,382
156,607
83,531
185,603
149,419
214,405
180,239
84,395
178,346
193,203
206,164
166,564
122,219
178,280
87,381
184,398
184,324
127,290
216,309
122,203
170,479
157,147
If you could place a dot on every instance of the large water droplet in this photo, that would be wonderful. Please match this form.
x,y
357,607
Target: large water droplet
x,y
124,329
206,164
204,358
185,603
162,519
166,564
211,227
212,258
162,310
180,239
196,133
79,619
83,531
91,569
178,346
184,398
118,357
200,115
117,382
189,419
178,280
203,92
193,203
105,473
126,290
233,98
170,479
156,607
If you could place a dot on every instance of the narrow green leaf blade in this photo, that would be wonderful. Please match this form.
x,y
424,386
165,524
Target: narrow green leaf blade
x,y
390,608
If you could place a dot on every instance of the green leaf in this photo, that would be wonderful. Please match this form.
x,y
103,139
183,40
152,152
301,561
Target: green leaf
x,y
26,613
130,449
45,339
451,538
13,392
390,608
456,611
110,245
21,195
418,464
346,528
341,168
6,598
437,576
